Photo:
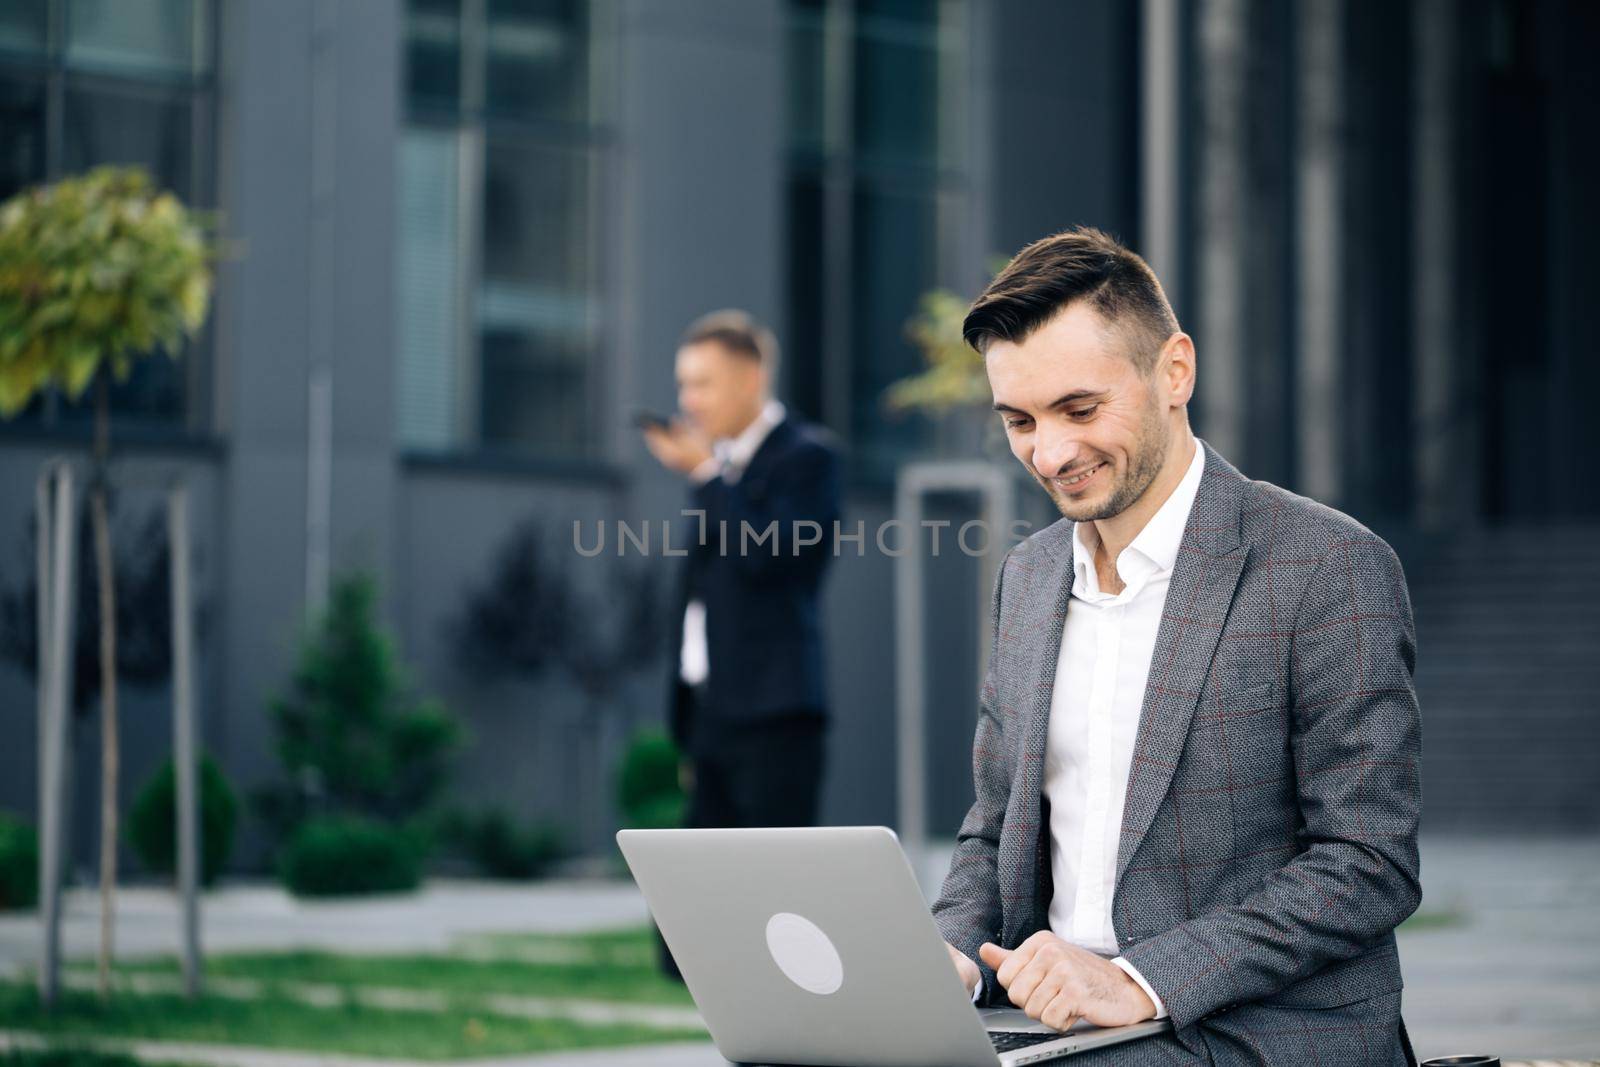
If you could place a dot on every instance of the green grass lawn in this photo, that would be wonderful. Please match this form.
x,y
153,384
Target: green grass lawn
x,y
614,965
610,965
278,1023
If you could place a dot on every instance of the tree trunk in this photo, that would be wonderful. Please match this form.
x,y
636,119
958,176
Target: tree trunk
x,y
101,508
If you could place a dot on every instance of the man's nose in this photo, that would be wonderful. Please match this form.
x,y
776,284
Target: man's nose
x,y
1055,449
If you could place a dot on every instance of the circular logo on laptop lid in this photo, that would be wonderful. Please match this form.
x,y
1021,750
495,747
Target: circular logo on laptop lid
x,y
804,954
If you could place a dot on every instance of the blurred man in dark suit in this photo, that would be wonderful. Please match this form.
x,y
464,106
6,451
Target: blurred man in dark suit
x,y
747,699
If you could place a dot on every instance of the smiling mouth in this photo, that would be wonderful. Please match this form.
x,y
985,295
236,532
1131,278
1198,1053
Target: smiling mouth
x,y
1077,479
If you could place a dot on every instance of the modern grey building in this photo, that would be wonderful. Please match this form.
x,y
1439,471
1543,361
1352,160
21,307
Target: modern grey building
x,y
468,232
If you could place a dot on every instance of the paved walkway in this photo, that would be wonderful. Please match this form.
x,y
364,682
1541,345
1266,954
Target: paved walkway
x,y
317,995
1514,968
184,1052
1520,974
244,917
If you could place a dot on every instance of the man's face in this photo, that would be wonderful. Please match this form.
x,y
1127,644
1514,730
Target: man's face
x,y
1087,425
720,391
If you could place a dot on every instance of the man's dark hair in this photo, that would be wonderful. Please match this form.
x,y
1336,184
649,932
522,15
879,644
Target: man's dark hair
x,y
738,332
1079,264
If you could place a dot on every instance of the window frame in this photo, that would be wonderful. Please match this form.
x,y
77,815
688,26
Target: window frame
x,y
197,92
475,126
842,172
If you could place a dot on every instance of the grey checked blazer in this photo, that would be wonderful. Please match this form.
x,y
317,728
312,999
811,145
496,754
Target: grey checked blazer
x,y
1269,838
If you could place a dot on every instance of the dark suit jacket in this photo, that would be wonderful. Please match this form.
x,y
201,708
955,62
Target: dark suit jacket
x,y
760,589
1269,840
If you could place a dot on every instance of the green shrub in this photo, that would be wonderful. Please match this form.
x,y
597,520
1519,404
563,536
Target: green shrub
x,y
663,812
152,821
353,734
19,863
349,855
500,848
648,791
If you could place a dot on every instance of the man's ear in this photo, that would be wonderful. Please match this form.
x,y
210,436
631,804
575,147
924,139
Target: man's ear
x,y
1176,367
753,376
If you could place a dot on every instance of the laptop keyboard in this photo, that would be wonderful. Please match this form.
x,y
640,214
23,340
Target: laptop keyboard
x,y
1011,1040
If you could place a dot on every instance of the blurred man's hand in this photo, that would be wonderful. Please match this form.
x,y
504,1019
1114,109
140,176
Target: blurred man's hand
x,y
680,447
1059,983
970,975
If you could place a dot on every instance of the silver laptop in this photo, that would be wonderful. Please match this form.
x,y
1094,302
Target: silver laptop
x,y
815,946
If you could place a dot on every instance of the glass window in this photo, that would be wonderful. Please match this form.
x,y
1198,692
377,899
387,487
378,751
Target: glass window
x,y
152,37
897,95
536,232
24,25
23,163
893,258
534,306
153,131
802,365
433,55
875,159
22,117
807,46
499,274
539,379
428,284
537,64
126,82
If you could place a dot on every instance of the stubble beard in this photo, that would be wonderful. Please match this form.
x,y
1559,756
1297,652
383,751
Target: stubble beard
x,y
1149,454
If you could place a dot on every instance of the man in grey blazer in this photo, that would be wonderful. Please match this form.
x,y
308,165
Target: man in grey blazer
x,y
1197,745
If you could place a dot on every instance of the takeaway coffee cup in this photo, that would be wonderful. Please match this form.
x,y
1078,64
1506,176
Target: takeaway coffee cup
x,y
1462,1061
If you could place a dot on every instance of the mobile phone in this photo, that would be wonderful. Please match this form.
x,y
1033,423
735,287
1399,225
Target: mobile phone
x,y
651,420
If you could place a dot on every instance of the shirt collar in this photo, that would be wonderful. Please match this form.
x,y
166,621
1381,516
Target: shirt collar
x,y
1155,549
739,451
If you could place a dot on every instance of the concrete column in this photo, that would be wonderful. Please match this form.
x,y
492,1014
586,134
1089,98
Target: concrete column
x,y
1444,425
1163,143
309,112
1223,216
1319,249
1062,125
700,158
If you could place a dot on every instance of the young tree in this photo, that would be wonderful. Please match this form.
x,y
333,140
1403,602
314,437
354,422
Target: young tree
x,y
97,272
354,735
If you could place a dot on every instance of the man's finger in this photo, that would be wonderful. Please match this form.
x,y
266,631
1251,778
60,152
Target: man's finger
x,y
1040,937
1026,982
658,443
1020,987
683,430
992,954
1059,1015
1015,961
1043,995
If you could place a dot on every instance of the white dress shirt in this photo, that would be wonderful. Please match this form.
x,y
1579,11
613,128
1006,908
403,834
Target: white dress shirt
x,y
729,458
1106,646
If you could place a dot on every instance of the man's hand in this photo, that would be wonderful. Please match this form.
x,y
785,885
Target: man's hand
x,y
680,447
970,975
1059,983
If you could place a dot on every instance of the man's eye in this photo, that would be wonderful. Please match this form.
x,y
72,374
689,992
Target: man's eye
x,y
1084,413
1016,424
